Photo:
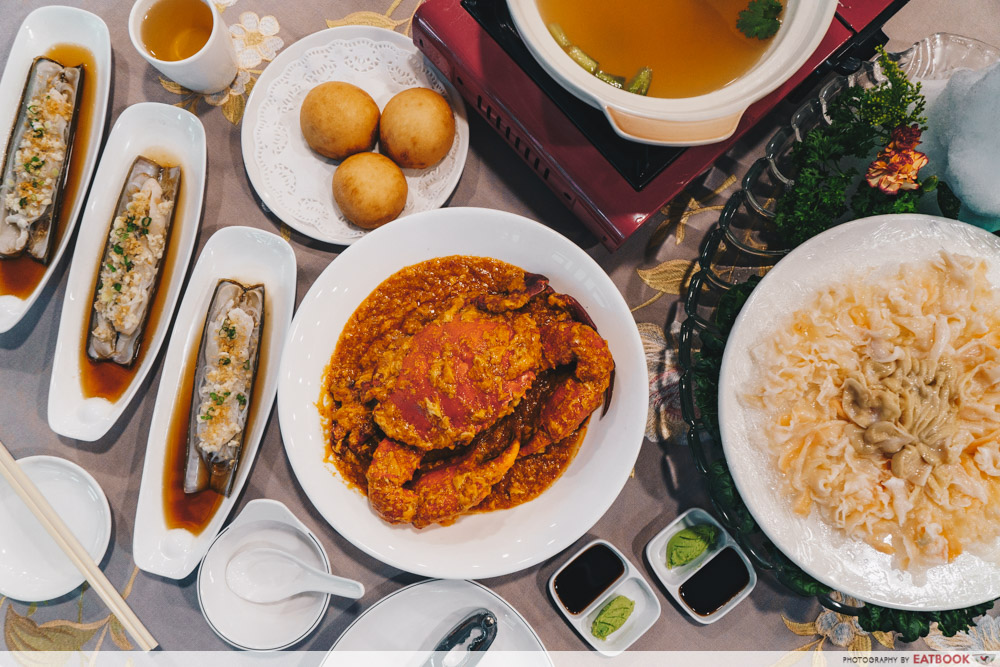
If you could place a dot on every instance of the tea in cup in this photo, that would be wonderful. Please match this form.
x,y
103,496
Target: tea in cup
x,y
186,40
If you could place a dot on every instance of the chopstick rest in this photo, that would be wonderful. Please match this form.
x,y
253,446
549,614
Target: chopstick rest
x,y
71,546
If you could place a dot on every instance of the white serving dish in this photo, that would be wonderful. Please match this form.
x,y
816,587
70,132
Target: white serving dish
x,y
149,129
292,180
42,29
480,545
848,565
411,621
633,586
688,121
33,567
672,579
261,627
252,257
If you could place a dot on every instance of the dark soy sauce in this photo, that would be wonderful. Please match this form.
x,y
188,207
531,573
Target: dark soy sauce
x,y
718,582
587,576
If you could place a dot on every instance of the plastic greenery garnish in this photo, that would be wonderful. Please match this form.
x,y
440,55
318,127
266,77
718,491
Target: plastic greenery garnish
x,y
887,118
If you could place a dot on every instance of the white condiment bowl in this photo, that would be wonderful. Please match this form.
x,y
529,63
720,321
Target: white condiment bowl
x,y
248,625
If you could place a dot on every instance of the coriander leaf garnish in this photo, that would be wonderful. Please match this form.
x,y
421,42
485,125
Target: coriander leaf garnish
x,y
760,19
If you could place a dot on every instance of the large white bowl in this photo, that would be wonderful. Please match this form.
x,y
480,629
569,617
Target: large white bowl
x,y
688,121
480,545
829,555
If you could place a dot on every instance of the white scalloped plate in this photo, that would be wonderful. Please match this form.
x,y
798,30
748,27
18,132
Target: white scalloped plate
x,y
156,131
294,182
478,545
42,29
827,554
250,256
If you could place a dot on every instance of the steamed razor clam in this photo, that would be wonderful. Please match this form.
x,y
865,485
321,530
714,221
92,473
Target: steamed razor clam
x,y
132,262
220,404
38,153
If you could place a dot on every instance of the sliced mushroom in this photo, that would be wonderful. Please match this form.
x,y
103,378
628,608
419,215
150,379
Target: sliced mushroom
x,y
909,465
886,437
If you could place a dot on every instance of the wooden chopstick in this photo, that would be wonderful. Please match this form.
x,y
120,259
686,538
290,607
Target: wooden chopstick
x,y
71,546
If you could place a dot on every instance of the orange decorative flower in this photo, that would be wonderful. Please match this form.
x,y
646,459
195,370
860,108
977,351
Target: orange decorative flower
x,y
897,165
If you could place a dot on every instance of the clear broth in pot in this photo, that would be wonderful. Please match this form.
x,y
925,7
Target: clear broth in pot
x,y
692,46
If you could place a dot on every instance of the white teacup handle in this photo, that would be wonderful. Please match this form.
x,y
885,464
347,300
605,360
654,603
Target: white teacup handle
x,y
671,132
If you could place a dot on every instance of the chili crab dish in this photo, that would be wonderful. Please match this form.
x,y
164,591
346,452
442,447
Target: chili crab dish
x,y
460,385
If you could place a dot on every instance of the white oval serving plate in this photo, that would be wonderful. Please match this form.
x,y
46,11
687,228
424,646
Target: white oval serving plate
x,y
160,132
291,179
252,257
33,567
848,565
42,29
480,545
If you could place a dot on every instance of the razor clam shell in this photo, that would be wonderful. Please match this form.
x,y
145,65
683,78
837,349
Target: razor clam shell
x,y
203,471
37,236
125,349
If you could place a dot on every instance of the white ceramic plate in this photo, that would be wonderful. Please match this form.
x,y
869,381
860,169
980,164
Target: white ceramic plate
x,y
293,181
850,566
261,627
250,256
414,619
44,28
158,131
482,545
33,567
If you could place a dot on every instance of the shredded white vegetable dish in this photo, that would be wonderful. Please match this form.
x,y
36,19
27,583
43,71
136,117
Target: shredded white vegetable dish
x,y
881,401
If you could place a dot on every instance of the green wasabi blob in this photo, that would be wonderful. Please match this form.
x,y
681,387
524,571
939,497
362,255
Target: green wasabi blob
x,y
688,544
612,616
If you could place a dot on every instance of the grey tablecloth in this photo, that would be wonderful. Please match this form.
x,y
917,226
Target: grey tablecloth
x,y
664,482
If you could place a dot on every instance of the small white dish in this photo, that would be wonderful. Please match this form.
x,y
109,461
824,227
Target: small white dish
x,y
633,586
291,179
672,579
476,546
33,567
411,621
42,29
160,132
261,627
250,256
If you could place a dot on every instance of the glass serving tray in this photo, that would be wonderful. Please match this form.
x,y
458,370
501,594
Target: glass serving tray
x,y
739,250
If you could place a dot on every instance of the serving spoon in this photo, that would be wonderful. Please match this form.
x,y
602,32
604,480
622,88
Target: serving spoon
x,y
264,575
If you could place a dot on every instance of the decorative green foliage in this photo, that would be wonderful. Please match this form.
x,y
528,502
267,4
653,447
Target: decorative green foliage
x,y
862,120
914,624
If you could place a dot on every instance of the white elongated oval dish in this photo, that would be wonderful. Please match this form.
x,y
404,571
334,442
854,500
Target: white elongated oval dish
x,y
849,565
42,29
33,567
159,132
291,179
479,545
252,257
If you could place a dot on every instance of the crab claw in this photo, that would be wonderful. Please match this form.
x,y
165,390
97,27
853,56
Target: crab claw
x,y
564,343
580,314
534,284
438,496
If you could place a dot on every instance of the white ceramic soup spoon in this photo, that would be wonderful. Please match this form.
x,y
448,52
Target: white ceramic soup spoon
x,y
264,575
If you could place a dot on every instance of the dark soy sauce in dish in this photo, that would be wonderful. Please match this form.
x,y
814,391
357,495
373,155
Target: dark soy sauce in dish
x,y
587,576
718,582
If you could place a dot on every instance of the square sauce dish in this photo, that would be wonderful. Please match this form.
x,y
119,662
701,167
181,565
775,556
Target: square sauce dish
x,y
708,585
595,588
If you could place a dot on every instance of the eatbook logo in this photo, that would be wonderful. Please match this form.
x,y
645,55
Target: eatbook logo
x,y
984,658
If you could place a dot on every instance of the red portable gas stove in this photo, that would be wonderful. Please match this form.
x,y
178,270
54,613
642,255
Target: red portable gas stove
x,y
613,185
